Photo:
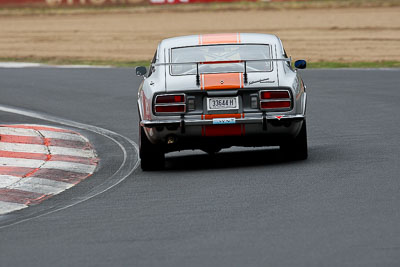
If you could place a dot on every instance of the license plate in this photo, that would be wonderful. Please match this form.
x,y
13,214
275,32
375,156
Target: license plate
x,y
223,103
224,121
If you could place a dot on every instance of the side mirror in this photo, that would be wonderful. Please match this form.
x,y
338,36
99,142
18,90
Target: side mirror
x,y
300,64
141,71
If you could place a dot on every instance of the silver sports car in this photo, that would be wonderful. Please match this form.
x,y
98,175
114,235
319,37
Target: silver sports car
x,y
214,91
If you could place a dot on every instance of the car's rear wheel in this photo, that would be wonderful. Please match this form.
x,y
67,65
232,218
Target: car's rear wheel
x,y
297,148
152,157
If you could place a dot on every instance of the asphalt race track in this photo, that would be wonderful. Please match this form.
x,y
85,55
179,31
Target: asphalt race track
x,y
243,207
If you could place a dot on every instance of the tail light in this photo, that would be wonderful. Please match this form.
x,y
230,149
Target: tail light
x,y
170,103
275,99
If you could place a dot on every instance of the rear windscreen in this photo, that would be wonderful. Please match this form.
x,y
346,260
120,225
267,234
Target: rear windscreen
x,y
217,54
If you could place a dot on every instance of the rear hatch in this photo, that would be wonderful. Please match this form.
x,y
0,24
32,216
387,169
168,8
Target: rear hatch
x,y
220,67
221,81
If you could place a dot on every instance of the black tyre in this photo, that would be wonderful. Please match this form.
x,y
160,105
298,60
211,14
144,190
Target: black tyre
x,y
297,148
152,157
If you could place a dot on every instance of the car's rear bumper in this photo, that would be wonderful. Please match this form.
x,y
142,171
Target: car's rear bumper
x,y
193,122
198,134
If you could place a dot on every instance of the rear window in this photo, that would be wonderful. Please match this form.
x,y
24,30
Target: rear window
x,y
220,53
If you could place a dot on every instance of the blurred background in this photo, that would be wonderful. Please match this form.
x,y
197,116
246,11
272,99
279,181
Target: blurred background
x,y
328,33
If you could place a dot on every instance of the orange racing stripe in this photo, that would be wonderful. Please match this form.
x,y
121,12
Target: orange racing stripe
x,y
219,81
219,38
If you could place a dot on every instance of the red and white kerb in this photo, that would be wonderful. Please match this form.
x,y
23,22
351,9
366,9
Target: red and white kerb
x,y
38,161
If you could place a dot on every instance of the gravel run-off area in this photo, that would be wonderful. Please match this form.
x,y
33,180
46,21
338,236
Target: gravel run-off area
x,y
335,34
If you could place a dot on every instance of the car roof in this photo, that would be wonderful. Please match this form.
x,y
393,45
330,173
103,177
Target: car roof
x,y
219,38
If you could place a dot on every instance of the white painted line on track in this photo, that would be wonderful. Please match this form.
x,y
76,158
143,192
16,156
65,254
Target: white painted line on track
x,y
63,136
43,164
8,180
57,150
79,66
25,148
22,163
17,131
6,207
47,134
69,166
20,65
129,148
54,150
40,185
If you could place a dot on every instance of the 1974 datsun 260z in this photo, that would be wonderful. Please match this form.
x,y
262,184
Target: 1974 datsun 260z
x,y
215,91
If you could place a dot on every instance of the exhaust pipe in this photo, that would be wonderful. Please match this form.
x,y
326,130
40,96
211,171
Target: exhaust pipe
x,y
171,140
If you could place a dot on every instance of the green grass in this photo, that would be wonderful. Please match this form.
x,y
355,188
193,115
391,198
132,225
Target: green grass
x,y
332,65
114,63
72,61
